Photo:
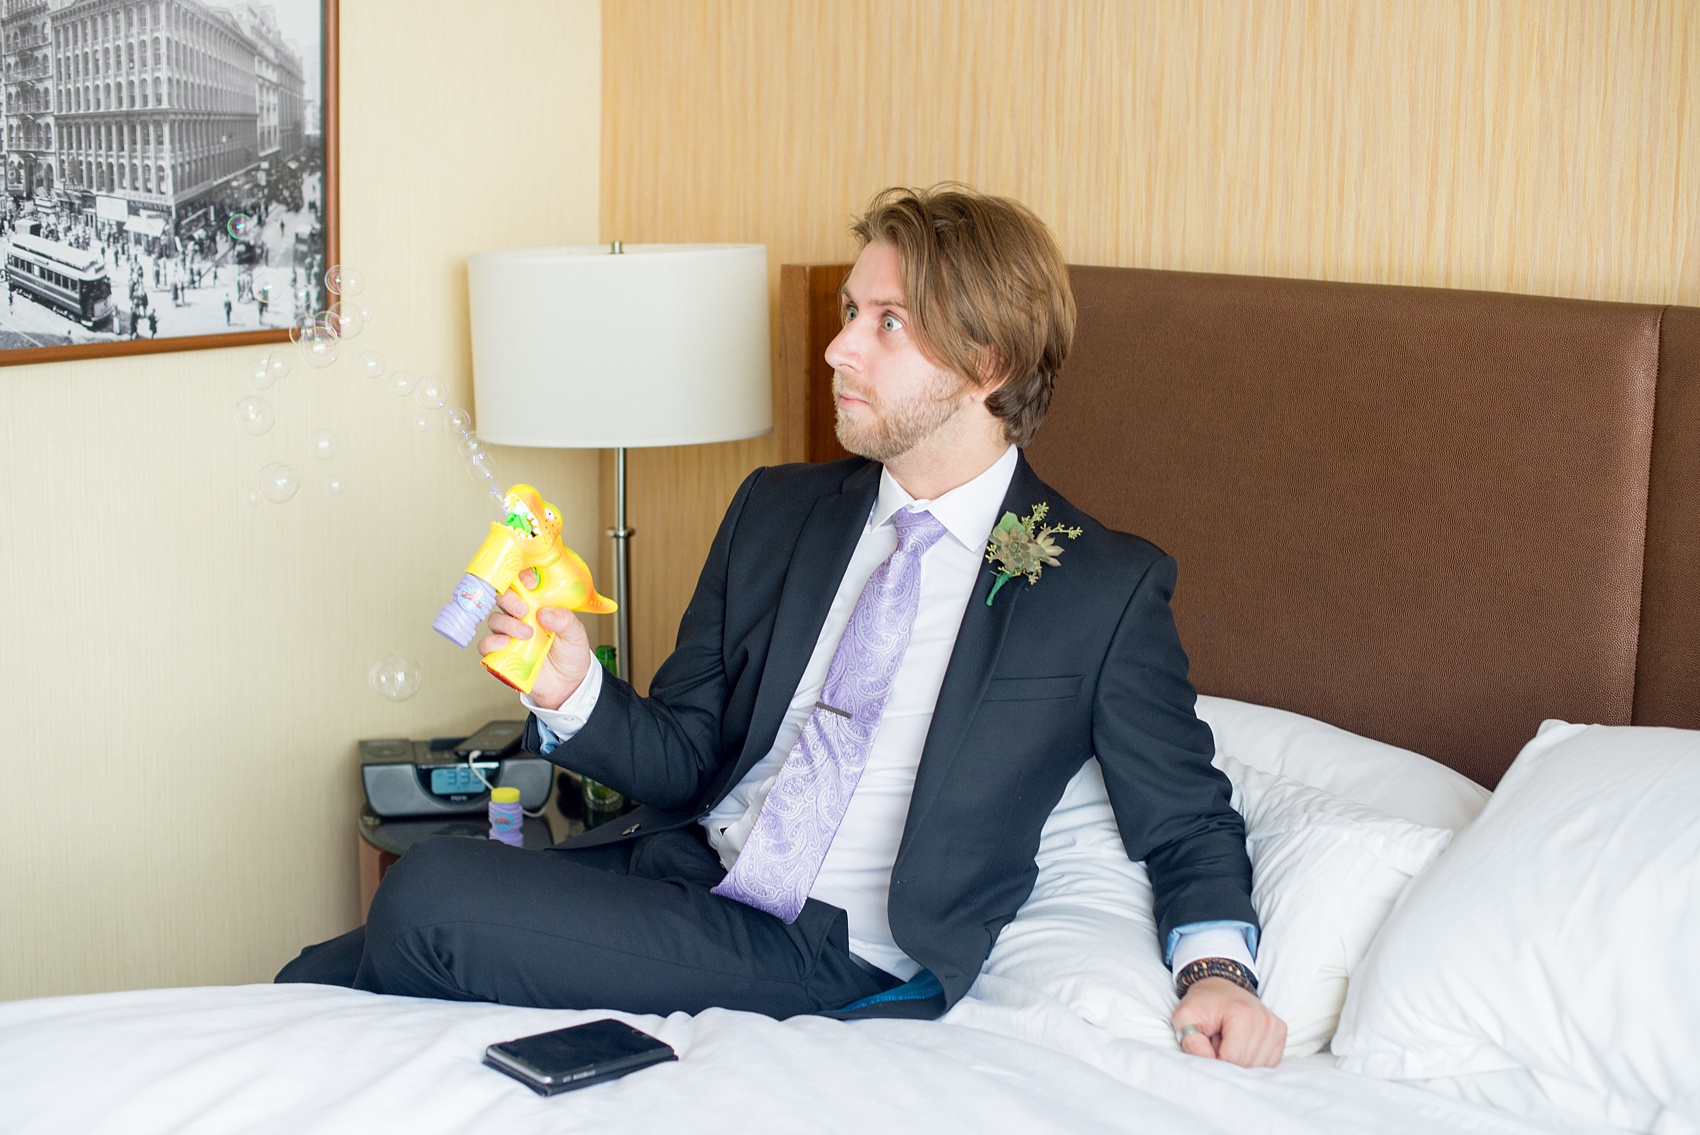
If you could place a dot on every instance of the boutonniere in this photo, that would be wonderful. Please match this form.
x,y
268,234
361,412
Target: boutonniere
x,y
1021,547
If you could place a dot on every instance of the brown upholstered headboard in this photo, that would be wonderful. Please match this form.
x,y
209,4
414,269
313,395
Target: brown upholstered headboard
x,y
1431,517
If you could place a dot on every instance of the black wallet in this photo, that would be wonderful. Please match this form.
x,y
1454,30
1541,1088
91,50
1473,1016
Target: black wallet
x,y
577,1057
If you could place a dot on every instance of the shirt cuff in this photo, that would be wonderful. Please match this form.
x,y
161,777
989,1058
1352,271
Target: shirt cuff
x,y
555,727
1233,940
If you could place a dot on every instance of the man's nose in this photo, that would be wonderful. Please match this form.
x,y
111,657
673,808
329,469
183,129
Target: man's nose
x,y
844,350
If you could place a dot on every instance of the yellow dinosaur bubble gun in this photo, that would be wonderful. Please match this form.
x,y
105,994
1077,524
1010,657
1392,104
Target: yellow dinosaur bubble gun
x,y
530,537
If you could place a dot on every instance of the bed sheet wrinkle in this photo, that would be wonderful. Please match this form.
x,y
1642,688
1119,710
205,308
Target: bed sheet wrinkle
x,y
267,1059
1301,1097
271,1060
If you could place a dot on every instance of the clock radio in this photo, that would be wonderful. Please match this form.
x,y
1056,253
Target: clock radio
x,y
437,778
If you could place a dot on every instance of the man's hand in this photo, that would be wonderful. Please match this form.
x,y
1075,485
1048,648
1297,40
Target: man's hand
x,y
569,658
1220,1020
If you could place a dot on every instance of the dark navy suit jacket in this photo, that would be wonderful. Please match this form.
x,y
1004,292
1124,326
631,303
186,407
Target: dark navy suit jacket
x,y
1085,662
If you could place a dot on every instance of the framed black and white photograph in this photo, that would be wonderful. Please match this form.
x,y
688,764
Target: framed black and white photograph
x,y
170,173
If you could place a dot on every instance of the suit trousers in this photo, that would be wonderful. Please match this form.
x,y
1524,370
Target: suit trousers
x,y
628,926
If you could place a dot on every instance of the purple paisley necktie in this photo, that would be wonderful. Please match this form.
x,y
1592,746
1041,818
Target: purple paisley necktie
x,y
789,841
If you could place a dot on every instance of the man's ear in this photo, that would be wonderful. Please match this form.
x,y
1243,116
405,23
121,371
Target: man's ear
x,y
989,382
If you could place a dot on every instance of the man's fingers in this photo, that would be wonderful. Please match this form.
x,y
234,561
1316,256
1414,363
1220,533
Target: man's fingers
x,y
489,644
1241,1028
565,622
1238,1045
1275,1045
1197,1033
511,626
1196,1041
1252,1037
511,602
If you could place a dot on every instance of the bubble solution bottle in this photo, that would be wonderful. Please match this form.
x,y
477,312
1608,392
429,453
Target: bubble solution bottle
x,y
507,818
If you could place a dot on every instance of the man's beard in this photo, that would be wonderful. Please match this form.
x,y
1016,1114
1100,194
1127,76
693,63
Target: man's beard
x,y
888,430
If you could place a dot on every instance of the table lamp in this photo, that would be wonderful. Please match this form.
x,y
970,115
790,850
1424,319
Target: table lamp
x,y
613,347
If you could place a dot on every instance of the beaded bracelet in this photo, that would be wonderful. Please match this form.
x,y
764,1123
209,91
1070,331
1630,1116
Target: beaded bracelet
x,y
1194,972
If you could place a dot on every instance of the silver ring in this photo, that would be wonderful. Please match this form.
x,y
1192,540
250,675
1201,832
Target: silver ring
x,y
1185,1031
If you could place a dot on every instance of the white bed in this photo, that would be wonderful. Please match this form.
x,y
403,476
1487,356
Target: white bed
x,y
264,1059
1065,1031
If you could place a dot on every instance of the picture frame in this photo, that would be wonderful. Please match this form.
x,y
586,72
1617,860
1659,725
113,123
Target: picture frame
x,y
169,174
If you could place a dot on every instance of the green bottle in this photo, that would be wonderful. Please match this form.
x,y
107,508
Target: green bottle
x,y
602,803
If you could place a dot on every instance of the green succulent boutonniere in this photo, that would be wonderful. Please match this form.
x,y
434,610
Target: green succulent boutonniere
x,y
1021,547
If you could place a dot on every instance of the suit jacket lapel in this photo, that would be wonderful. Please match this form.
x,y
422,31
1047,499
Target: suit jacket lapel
x,y
822,553
979,642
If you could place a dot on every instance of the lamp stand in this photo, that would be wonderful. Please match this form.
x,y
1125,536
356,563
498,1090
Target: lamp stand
x,y
622,536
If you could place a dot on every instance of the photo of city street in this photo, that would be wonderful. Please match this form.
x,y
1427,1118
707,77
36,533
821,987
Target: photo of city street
x,y
164,169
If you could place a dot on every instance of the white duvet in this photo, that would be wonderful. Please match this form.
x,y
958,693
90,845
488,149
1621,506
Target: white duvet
x,y
296,1059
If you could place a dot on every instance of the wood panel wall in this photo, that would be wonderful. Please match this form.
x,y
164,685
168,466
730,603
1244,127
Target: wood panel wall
x,y
1551,148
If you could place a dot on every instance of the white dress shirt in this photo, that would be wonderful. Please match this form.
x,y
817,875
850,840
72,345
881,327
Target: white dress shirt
x,y
856,874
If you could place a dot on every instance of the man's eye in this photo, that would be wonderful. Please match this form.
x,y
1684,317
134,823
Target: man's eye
x,y
891,323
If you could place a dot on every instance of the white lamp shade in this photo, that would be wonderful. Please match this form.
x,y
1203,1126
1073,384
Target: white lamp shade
x,y
662,344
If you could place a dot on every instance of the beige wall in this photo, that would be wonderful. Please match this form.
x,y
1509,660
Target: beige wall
x,y
1540,147
183,677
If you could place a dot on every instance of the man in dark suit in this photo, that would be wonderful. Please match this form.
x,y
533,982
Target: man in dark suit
x,y
889,671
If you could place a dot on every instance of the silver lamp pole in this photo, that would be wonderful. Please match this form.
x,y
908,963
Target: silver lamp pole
x,y
622,552
622,536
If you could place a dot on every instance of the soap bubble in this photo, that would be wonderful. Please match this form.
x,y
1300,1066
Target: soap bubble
x,y
420,423
267,368
322,445
334,486
255,416
319,348
279,482
432,393
396,676
304,299
342,324
372,363
253,497
402,383
364,312
303,325
344,281
483,467
472,447
457,420
240,226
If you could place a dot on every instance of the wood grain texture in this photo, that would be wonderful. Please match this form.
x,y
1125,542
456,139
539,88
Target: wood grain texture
x,y
807,374
1508,146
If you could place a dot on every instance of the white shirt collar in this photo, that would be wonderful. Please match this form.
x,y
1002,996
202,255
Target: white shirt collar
x,y
968,512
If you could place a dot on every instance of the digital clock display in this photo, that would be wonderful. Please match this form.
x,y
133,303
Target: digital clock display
x,y
455,780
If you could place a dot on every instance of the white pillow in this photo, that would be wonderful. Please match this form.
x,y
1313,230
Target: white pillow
x,y
1384,777
1558,937
1087,935
1325,872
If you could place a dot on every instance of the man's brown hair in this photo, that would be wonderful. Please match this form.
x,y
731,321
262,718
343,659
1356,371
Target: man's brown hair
x,y
986,289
